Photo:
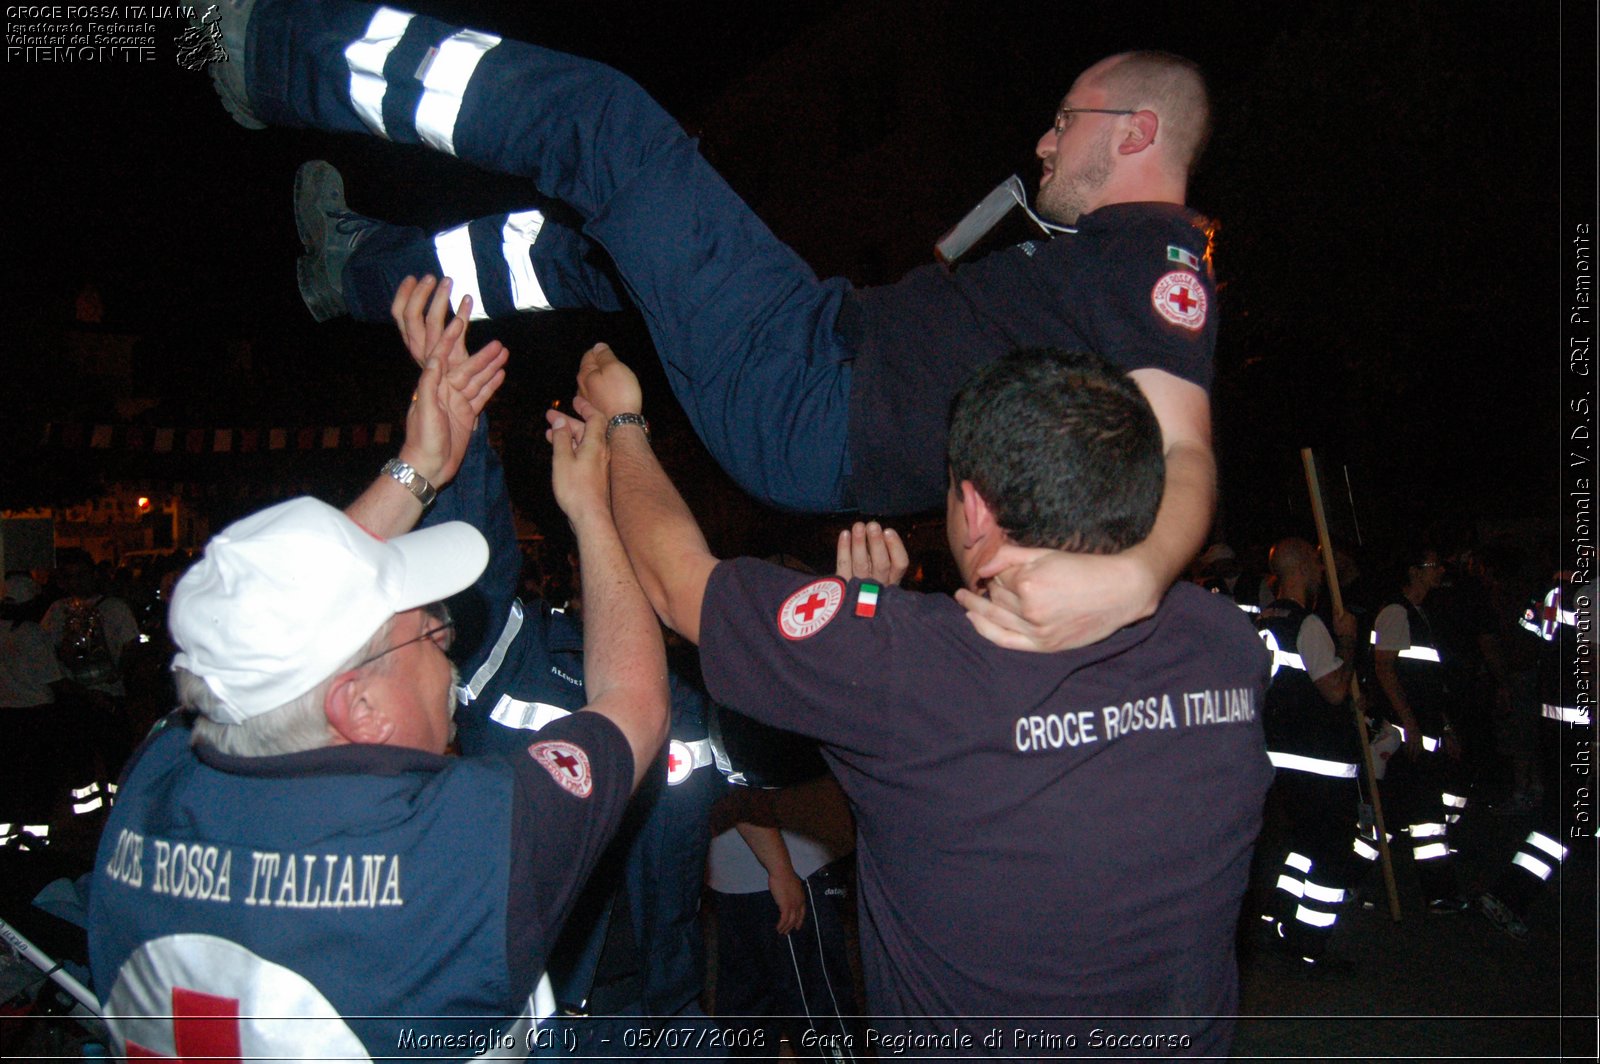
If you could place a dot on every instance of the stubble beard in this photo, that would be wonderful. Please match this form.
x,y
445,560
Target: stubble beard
x,y
1068,195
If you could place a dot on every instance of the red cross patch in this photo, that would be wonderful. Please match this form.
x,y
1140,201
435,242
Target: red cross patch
x,y
680,762
568,765
1179,298
804,613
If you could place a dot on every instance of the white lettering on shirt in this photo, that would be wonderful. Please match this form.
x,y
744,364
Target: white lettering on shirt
x,y
202,872
1074,728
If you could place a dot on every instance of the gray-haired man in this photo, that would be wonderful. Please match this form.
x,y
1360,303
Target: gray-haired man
x,y
293,874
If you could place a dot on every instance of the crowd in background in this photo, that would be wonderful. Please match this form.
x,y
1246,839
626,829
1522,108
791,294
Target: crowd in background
x,y
75,712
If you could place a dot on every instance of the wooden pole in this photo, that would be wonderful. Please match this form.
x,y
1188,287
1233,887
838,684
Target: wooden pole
x,y
1332,568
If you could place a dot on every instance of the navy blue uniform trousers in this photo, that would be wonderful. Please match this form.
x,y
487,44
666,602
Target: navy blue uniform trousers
x,y
744,327
788,985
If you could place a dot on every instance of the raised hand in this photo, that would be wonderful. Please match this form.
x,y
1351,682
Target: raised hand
x,y
579,468
451,392
869,551
606,385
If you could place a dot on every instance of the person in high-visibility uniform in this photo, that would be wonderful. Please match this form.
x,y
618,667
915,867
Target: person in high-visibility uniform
x,y
1419,788
1312,742
1566,744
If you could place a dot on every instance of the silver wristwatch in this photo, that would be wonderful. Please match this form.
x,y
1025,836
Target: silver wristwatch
x,y
627,419
408,478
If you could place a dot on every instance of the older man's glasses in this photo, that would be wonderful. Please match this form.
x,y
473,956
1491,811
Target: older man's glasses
x,y
442,633
1064,114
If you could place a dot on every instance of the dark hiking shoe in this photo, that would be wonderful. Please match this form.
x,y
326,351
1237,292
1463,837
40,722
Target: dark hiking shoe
x,y
222,25
330,233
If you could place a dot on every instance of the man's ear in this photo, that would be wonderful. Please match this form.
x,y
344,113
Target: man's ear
x,y
984,534
1139,134
353,712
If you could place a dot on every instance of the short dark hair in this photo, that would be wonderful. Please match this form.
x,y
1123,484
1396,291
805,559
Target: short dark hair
x,y
1412,554
1063,447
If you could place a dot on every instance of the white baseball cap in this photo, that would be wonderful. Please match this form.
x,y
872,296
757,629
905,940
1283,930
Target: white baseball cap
x,y
284,597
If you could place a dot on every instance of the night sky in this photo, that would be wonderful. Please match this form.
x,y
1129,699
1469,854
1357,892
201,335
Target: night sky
x,y
1388,178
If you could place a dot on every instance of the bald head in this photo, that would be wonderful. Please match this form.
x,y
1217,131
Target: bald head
x,y
1167,84
1296,569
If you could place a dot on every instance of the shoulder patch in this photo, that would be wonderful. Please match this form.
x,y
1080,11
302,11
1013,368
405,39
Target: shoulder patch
x,y
1179,298
1183,256
807,611
867,599
568,765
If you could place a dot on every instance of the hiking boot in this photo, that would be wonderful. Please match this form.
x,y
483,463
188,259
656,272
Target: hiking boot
x,y
226,29
330,234
1500,915
1449,905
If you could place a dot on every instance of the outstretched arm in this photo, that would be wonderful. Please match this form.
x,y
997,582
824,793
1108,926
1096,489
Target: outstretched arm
x,y
624,659
663,541
451,392
1051,600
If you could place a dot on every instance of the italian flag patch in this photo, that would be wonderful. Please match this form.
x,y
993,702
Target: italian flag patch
x,y
1177,254
867,599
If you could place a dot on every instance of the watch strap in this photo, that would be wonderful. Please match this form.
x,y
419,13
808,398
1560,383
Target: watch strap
x,y
627,419
407,477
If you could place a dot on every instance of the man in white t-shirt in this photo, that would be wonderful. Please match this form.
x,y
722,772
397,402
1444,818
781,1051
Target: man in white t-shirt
x,y
781,880
29,676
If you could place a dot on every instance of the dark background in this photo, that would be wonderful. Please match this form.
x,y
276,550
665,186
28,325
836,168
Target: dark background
x,y
1387,177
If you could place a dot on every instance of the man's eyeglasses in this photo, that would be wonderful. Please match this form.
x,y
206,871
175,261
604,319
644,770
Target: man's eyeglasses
x,y
1063,113
442,634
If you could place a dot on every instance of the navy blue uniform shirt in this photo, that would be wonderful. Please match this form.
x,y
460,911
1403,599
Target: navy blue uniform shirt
x,y
1132,285
347,897
1038,834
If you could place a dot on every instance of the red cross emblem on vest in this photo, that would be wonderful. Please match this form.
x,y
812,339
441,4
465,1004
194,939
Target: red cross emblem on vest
x,y
1550,615
204,1027
680,762
155,1012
